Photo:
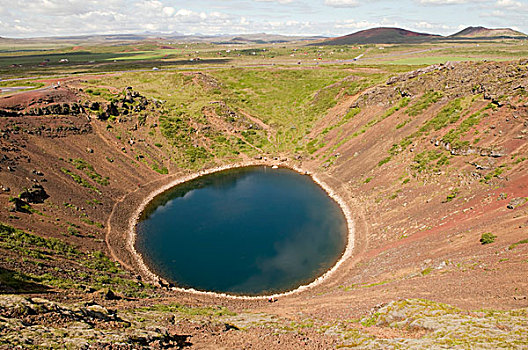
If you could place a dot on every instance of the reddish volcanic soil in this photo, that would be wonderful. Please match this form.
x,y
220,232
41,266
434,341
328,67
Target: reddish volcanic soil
x,y
411,241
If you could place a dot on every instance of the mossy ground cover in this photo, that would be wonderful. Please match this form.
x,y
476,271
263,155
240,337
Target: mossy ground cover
x,y
427,324
430,161
426,100
80,180
89,170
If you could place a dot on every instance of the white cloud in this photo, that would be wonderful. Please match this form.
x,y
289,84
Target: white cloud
x,y
448,2
360,25
168,11
510,4
62,7
277,1
341,3
431,26
23,18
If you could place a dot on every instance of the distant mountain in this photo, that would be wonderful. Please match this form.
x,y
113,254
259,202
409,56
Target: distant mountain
x,y
483,32
262,38
381,36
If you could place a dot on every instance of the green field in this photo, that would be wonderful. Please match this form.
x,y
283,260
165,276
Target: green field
x,y
24,58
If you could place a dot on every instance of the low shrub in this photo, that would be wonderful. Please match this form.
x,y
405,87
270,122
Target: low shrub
x,y
487,238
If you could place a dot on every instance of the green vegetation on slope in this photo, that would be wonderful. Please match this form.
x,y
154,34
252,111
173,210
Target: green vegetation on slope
x,y
89,170
451,113
289,100
424,102
432,161
73,268
80,180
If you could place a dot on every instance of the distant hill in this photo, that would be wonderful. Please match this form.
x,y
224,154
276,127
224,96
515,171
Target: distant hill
x,y
381,36
261,38
483,32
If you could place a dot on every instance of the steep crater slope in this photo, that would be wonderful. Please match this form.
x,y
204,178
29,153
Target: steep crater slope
x,y
431,161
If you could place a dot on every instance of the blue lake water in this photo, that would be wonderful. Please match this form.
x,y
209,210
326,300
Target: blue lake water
x,y
250,231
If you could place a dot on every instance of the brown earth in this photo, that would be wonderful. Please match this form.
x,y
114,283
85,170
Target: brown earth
x,y
411,241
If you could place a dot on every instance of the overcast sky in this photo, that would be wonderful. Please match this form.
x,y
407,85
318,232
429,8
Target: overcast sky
x,y
30,18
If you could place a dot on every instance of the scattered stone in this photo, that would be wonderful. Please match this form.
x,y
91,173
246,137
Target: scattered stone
x,y
27,321
496,154
480,167
108,294
515,202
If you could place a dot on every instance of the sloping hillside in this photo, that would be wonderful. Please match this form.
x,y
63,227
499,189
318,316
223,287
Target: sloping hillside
x,y
435,159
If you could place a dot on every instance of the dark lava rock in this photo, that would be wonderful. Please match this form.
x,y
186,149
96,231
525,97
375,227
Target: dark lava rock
x,y
94,106
18,205
36,194
108,294
111,109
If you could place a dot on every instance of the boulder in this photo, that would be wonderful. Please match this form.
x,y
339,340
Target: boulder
x,y
94,106
496,154
35,194
107,294
112,110
18,205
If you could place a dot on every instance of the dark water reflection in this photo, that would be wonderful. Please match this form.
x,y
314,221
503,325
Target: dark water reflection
x,y
245,231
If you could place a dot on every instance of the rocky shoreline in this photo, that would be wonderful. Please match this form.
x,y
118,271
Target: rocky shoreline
x,y
144,271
